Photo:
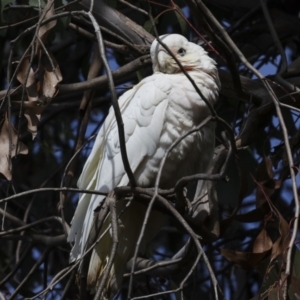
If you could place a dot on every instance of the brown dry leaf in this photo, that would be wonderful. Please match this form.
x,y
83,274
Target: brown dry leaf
x,y
32,92
248,260
264,177
262,242
32,121
264,170
36,107
29,82
51,77
263,245
266,189
282,242
244,260
266,184
47,88
46,28
7,151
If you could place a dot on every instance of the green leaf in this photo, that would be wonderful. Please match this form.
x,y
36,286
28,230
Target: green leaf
x,y
139,75
37,3
148,25
182,22
3,3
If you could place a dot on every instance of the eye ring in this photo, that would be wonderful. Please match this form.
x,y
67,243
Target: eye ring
x,y
181,52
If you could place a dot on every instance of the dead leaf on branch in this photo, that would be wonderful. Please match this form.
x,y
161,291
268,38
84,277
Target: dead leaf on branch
x,y
26,76
8,144
263,246
33,120
282,243
262,243
266,212
39,93
52,77
248,260
266,183
45,29
264,171
244,260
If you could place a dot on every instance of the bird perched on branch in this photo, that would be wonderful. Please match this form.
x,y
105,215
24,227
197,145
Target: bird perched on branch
x,y
156,112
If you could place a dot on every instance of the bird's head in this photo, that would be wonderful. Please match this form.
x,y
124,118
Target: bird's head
x,y
191,56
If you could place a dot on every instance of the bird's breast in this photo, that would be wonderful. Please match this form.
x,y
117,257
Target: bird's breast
x,y
184,111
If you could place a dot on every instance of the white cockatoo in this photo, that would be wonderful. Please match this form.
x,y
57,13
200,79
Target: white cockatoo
x,y
156,112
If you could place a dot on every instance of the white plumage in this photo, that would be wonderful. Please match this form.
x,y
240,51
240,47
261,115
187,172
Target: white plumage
x,y
155,112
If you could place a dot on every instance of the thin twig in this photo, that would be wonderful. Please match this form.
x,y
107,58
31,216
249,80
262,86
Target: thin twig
x,y
134,7
28,226
98,82
49,57
53,190
56,279
275,37
284,64
141,49
243,19
17,266
87,34
69,284
12,218
175,262
31,272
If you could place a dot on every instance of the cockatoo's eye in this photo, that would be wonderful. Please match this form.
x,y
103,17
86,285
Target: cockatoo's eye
x,y
181,52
